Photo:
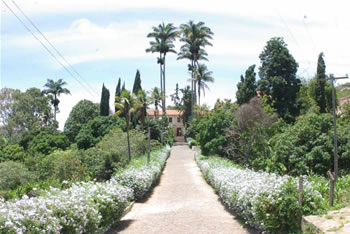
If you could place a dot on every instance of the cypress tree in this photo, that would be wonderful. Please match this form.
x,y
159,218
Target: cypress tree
x,y
117,93
247,86
123,87
104,104
320,95
137,83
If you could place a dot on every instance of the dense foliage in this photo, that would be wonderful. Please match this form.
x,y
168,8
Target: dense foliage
x,y
278,79
307,146
81,113
93,131
246,89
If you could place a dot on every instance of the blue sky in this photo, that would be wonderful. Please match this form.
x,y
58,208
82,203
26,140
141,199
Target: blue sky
x,y
106,39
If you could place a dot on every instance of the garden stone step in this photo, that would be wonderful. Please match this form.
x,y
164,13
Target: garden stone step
x,y
336,222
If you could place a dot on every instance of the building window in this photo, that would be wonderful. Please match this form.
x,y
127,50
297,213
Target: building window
x,y
170,119
178,119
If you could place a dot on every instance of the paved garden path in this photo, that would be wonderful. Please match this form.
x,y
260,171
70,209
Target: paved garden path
x,y
182,203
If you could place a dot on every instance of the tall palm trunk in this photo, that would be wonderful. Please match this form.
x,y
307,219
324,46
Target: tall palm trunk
x,y
127,135
192,88
142,119
199,97
55,110
164,103
161,73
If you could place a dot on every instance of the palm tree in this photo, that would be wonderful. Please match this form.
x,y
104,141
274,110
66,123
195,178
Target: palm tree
x,y
55,89
195,36
125,105
142,102
203,76
156,97
164,36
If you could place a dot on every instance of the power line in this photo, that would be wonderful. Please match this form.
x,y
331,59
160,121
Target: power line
x,y
308,31
47,49
31,22
285,24
294,38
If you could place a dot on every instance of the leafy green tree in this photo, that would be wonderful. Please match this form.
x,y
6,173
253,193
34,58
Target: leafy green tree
x,y
7,100
94,130
125,104
31,111
118,92
164,36
247,86
62,165
104,104
13,152
195,36
278,78
81,113
307,146
137,83
211,131
54,90
14,174
46,143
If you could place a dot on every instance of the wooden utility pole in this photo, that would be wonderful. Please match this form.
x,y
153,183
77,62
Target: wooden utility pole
x,y
332,79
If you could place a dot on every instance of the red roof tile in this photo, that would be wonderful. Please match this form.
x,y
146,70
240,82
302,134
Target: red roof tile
x,y
168,112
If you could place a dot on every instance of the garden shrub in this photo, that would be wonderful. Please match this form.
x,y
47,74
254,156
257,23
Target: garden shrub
x,y
14,174
62,165
46,143
307,146
94,130
86,207
111,153
13,152
211,127
81,113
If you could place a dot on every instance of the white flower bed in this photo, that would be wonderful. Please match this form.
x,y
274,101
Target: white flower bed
x,y
86,207
260,198
141,179
79,209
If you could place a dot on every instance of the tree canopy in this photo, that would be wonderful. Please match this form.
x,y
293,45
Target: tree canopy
x,y
278,79
247,86
81,113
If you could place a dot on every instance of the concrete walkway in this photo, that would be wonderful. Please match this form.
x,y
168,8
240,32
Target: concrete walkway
x,y
182,203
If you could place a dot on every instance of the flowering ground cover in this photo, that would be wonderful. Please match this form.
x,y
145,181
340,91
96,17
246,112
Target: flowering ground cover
x,y
86,207
266,201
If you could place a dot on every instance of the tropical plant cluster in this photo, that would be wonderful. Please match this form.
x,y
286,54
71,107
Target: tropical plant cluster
x,y
85,207
267,201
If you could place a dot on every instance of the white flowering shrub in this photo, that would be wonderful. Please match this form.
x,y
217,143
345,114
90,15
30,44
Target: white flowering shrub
x,y
140,179
79,209
266,201
86,207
